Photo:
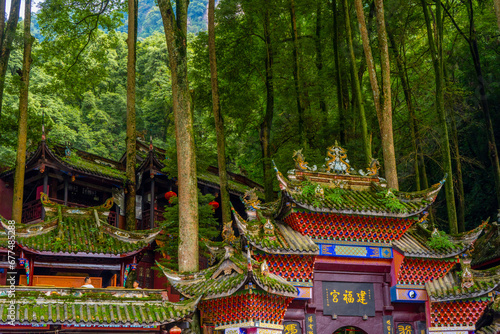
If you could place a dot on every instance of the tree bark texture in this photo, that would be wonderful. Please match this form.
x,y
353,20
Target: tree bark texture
x,y
338,74
219,124
319,67
436,50
402,73
176,33
6,44
460,184
296,74
265,127
496,3
357,87
22,133
131,122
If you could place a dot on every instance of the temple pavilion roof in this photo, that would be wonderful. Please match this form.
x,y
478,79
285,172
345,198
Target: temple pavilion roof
x,y
82,231
236,271
494,328
464,284
337,188
274,237
76,306
487,247
416,243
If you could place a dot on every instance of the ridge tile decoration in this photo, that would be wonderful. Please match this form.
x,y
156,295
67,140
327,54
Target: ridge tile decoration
x,y
95,308
418,271
79,230
337,188
237,292
337,227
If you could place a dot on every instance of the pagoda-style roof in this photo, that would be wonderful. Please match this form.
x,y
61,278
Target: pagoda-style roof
x,y
274,237
233,273
416,243
67,231
76,306
464,284
494,328
487,247
73,162
337,188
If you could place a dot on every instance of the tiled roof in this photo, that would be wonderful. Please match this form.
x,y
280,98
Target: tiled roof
x,y
487,247
376,201
99,306
79,230
281,240
494,328
451,287
415,243
227,277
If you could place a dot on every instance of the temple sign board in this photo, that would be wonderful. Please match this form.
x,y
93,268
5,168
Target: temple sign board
x,y
291,327
348,299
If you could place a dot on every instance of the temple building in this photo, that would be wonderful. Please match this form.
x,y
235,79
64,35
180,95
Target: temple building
x,y
362,257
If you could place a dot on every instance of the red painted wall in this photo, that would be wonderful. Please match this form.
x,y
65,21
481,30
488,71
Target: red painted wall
x,y
6,199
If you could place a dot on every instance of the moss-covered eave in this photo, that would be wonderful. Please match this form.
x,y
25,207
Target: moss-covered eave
x,y
80,254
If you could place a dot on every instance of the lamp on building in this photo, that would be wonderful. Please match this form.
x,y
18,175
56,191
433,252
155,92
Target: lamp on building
x,y
214,205
169,195
175,330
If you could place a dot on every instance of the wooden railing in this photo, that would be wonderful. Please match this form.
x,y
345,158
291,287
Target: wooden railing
x,y
32,211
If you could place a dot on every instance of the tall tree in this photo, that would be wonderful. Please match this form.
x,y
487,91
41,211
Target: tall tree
x,y
131,123
436,50
265,127
17,206
219,123
296,73
338,73
471,39
175,26
6,38
496,3
319,67
383,103
357,87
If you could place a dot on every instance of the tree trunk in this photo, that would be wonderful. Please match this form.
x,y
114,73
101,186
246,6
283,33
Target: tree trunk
x,y
409,104
265,127
386,130
22,133
296,74
357,87
131,123
319,67
6,45
460,184
436,48
219,124
176,33
338,74
496,3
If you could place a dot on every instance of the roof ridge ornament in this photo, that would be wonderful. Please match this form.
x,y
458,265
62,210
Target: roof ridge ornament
x,y
336,160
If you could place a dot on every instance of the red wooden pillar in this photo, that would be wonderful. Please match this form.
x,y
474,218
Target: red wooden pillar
x,y
122,271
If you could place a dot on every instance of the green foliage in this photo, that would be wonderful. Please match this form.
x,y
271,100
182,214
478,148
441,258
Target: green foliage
x,y
335,195
440,241
208,228
391,202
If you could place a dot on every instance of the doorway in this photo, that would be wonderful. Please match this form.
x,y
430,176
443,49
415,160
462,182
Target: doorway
x,y
349,330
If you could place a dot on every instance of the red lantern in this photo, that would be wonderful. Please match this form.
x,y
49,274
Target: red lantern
x,y
169,195
175,330
214,205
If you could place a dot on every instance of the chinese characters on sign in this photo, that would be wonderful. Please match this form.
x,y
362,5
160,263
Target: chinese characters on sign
x,y
310,324
354,299
388,324
404,329
291,327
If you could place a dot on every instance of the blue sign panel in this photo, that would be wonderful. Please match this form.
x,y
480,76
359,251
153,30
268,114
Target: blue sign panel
x,y
371,252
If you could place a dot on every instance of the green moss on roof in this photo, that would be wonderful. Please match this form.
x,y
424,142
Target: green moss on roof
x,y
79,235
234,186
88,166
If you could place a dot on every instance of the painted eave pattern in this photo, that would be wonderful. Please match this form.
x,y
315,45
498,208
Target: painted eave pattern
x,y
414,243
288,241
